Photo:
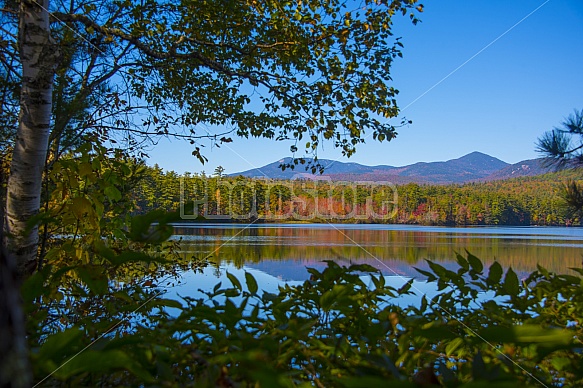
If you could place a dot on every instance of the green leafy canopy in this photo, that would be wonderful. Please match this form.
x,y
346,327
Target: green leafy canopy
x,y
275,69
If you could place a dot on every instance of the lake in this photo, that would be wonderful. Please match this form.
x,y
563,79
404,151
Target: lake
x,y
276,253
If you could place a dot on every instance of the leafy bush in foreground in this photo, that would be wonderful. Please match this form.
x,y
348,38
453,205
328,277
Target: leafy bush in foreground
x,y
343,327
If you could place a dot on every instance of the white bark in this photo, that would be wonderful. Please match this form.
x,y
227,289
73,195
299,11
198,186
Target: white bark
x,y
37,56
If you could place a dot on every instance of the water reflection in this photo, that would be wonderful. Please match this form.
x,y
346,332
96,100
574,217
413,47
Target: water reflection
x,y
284,250
193,284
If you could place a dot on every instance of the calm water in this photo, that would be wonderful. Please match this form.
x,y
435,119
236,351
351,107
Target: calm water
x,y
281,252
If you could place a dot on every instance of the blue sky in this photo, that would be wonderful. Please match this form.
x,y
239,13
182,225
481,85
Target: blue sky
x,y
524,82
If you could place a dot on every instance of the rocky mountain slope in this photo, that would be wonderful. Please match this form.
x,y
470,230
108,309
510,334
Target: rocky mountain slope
x,y
475,166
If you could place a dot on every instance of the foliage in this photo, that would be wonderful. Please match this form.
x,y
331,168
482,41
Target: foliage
x,y
343,327
559,145
99,263
138,71
563,148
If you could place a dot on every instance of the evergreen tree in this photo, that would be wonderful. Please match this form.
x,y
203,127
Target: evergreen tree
x,y
563,148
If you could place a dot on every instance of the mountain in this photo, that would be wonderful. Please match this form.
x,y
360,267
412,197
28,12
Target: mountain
x,y
470,167
331,167
530,167
475,166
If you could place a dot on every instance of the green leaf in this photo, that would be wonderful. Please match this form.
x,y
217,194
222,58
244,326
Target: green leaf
x,y
406,287
570,279
451,347
436,332
94,278
130,256
511,284
60,344
543,271
80,206
527,334
103,250
236,283
441,272
560,363
118,233
217,286
251,283
495,273
475,263
430,277
112,193
168,303
462,261
153,227
98,205
85,169
543,336
33,287
232,293
327,300
91,361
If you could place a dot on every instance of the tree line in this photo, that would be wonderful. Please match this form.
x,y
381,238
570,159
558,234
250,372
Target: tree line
x,y
520,201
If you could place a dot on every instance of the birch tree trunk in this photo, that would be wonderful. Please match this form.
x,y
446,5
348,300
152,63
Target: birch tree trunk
x,y
38,57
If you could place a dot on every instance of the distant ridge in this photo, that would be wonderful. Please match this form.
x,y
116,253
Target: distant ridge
x,y
332,167
475,166
530,167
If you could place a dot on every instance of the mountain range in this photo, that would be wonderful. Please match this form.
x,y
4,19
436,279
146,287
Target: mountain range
x,y
475,166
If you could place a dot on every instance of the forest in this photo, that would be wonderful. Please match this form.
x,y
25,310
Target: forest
x,y
537,200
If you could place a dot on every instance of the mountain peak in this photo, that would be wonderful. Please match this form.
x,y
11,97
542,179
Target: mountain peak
x,y
477,155
471,167
481,161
